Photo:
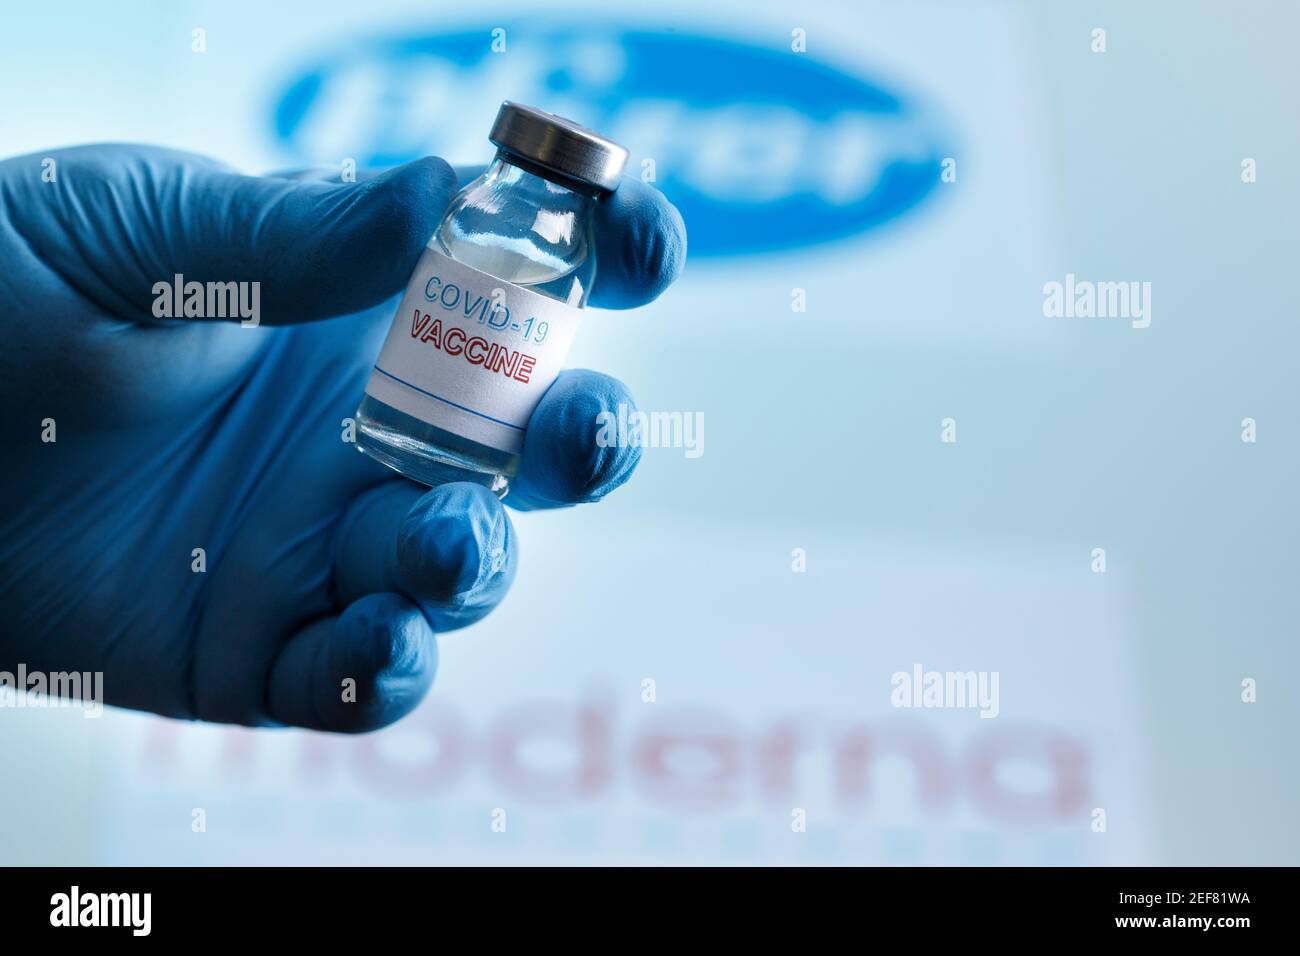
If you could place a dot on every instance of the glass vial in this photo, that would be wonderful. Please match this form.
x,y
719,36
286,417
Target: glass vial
x,y
491,307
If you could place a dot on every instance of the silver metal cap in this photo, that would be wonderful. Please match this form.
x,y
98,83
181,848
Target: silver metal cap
x,y
558,144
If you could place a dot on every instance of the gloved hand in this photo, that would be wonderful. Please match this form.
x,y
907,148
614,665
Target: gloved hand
x,y
175,435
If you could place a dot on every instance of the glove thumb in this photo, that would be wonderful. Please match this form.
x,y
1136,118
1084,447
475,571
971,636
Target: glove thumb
x,y
315,249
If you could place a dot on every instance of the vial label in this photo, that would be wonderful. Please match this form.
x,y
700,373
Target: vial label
x,y
470,353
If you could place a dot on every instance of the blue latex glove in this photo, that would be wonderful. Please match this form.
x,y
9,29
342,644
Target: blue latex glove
x,y
172,435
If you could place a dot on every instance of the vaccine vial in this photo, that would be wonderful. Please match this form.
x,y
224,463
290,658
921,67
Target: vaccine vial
x,y
492,306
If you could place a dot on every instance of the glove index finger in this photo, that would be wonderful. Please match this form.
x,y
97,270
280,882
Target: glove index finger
x,y
640,246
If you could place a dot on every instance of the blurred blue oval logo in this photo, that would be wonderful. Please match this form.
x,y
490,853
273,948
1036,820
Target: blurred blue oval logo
x,y
761,149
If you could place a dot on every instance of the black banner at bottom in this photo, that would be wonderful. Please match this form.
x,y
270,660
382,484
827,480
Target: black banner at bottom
x,y
337,905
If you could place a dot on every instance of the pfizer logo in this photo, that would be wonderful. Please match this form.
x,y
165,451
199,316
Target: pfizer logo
x,y
761,149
